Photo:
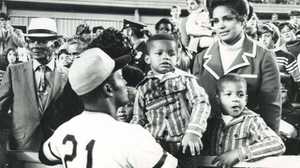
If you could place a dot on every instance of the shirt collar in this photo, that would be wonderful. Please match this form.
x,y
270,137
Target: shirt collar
x,y
229,120
161,77
99,114
50,65
237,45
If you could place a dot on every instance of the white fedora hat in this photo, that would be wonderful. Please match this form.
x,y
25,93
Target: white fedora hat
x,y
42,27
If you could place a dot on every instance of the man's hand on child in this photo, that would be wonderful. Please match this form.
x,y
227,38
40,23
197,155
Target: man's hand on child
x,y
192,141
227,159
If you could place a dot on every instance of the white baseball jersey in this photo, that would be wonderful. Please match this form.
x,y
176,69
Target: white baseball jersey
x,y
95,140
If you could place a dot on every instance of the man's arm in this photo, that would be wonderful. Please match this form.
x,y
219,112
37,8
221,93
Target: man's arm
x,y
200,111
48,153
147,153
269,94
268,142
17,36
6,93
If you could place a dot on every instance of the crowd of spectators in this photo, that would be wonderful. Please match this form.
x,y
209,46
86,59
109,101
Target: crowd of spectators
x,y
292,2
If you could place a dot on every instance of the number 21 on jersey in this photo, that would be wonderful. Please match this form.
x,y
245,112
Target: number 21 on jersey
x,y
89,147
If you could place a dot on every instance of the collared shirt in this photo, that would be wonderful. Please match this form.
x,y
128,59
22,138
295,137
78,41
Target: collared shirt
x,y
98,140
248,133
228,53
170,105
37,73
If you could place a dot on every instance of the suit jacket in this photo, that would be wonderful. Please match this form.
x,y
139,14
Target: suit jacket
x,y
30,123
257,65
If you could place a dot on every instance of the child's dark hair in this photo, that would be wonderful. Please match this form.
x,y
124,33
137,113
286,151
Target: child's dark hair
x,y
164,21
231,77
159,37
112,42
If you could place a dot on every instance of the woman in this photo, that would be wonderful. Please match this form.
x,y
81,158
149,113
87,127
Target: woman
x,y
12,56
234,52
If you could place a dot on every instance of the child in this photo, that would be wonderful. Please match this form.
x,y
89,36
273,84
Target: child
x,y
239,134
169,102
133,76
197,26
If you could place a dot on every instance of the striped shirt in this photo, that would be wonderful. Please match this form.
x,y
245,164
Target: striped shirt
x,y
170,105
287,63
248,133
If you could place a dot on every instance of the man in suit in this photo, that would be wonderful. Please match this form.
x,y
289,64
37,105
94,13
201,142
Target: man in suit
x,y
37,92
9,38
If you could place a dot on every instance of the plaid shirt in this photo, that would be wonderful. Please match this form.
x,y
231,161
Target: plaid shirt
x,y
248,133
170,105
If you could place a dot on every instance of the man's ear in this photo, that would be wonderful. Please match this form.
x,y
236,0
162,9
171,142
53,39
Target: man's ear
x,y
107,89
147,59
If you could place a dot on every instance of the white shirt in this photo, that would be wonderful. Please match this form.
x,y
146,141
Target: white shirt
x,y
111,143
229,53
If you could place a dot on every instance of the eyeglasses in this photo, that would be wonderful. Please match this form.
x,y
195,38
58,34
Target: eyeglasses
x,y
37,39
225,19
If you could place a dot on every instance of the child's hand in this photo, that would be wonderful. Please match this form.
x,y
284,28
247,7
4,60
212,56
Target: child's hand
x,y
193,141
227,159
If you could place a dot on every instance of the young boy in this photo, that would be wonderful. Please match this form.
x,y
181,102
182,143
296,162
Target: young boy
x,y
169,102
239,134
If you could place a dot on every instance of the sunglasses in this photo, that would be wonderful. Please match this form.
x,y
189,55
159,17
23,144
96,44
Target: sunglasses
x,y
38,39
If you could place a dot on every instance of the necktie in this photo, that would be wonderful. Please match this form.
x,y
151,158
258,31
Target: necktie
x,y
43,83
42,86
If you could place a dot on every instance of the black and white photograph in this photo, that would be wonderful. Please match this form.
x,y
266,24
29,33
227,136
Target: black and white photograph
x,y
150,84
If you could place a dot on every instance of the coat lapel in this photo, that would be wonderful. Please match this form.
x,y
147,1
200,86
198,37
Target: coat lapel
x,y
249,50
212,61
58,84
29,77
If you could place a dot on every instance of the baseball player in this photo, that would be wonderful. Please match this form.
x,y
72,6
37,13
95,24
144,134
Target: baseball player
x,y
94,138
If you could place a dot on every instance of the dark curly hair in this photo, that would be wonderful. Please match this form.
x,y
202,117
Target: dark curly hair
x,y
164,21
112,42
238,7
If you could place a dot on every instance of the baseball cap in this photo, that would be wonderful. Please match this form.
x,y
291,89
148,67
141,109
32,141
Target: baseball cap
x,y
91,69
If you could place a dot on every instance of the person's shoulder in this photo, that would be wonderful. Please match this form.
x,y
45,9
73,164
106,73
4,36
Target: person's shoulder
x,y
21,65
282,53
247,113
184,76
131,129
